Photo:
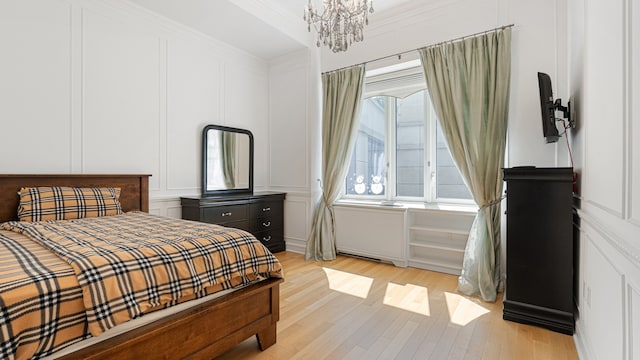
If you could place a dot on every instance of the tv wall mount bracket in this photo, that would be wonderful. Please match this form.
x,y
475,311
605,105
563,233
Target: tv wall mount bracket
x,y
566,111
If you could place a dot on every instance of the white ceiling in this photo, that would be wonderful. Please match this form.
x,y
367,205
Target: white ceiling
x,y
264,28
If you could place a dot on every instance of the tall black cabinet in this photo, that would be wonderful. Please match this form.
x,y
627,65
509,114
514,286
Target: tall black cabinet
x,y
539,264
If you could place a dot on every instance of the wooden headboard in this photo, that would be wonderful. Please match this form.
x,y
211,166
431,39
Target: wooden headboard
x,y
134,193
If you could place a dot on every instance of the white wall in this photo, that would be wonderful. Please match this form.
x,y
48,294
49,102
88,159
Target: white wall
x,y
108,87
605,83
291,115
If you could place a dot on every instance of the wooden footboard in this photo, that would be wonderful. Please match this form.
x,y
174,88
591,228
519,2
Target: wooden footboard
x,y
203,332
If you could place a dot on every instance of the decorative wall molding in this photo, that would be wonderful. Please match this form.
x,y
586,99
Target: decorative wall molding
x,y
602,313
163,73
633,325
626,106
633,128
605,78
614,240
605,167
219,66
165,206
289,153
75,87
74,47
297,219
617,213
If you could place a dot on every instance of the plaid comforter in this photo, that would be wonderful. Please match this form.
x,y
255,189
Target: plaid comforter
x,y
40,300
134,263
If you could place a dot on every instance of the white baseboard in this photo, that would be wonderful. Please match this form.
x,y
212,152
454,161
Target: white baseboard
x,y
296,245
579,341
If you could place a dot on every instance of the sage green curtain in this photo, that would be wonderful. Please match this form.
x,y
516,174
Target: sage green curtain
x,y
342,91
228,145
468,82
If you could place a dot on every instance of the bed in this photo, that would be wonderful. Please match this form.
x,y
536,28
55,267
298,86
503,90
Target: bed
x,y
201,331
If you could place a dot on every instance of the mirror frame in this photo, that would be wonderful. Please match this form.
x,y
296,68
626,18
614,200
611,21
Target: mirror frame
x,y
218,192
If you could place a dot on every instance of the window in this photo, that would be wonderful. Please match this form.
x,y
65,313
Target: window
x,y
400,151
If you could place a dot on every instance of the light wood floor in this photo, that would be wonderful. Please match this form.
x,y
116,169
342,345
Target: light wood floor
x,y
359,309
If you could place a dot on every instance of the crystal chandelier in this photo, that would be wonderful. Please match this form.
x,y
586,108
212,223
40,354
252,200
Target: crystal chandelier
x,y
341,23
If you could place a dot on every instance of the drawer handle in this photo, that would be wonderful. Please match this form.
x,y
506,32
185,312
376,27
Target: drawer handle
x,y
226,213
266,238
267,224
266,209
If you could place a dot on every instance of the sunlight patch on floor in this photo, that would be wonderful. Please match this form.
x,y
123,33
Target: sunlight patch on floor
x,y
347,283
408,297
462,310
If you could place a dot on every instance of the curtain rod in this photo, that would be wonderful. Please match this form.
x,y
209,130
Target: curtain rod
x,y
423,47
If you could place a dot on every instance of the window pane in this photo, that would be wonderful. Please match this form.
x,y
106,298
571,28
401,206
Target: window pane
x,y
410,120
367,175
449,183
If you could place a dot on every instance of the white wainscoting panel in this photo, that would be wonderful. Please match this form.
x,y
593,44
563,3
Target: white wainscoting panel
x,y
375,232
195,99
109,87
288,126
35,89
634,321
296,221
169,207
634,116
247,106
602,301
604,106
609,323
121,97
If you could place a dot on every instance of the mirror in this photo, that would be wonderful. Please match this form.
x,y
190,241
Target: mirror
x,y
227,155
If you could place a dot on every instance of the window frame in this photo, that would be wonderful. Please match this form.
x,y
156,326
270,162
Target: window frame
x,y
390,151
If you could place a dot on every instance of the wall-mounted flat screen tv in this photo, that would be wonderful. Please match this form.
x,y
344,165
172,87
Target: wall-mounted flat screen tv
x,y
548,109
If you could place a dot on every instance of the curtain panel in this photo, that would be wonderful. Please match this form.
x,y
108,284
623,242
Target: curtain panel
x,y
469,81
228,144
342,92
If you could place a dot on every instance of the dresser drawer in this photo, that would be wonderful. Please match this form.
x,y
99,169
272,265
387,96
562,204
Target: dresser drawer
x,y
273,240
267,223
240,224
266,209
225,214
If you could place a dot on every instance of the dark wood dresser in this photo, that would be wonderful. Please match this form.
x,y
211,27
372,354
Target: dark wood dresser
x,y
540,264
260,213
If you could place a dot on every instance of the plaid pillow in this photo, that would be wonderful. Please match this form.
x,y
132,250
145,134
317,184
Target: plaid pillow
x,y
64,203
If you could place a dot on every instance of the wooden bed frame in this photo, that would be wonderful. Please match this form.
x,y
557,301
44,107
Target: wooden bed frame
x,y
200,332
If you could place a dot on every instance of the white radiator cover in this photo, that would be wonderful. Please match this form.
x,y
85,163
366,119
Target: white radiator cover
x,y
426,238
375,232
